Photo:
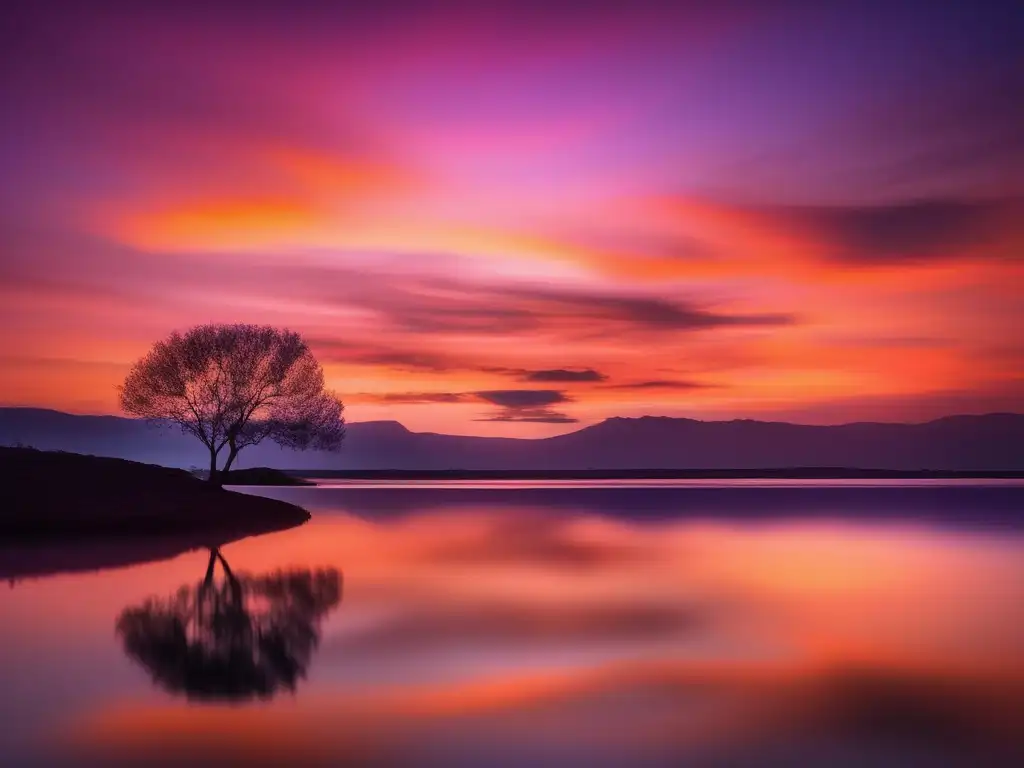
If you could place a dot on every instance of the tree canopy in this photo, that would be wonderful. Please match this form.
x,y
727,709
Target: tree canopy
x,y
234,386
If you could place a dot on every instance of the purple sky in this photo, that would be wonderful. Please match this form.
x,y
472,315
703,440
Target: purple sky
x,y
793,209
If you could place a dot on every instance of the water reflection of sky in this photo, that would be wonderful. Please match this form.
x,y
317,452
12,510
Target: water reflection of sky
x,y
520,634
741,482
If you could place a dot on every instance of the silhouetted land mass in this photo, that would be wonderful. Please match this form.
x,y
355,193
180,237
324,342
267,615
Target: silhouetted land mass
x,y
770,473
52,495
262,476
990,442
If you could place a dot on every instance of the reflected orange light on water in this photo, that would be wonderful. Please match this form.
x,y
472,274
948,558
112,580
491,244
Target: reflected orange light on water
x,y
471,630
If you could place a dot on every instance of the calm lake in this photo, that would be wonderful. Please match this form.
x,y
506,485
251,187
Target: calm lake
x,y
502,624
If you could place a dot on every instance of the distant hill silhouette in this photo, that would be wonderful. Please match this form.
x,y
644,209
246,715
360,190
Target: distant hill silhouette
x,y
989,442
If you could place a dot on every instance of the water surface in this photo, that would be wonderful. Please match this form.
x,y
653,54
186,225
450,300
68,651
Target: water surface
x,y
525,625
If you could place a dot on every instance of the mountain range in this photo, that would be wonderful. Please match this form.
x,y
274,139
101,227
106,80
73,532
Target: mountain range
x,y
963,443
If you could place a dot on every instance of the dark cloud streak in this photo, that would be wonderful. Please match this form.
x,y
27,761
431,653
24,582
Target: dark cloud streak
x,y
527,405
414,398
523,398
564,375
660,384
532,415
514,405
905,232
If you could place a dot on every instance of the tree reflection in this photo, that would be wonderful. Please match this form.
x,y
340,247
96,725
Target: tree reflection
x,y
243,637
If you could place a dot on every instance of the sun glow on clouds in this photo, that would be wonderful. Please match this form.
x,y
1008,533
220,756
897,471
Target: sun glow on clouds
x,y
442,207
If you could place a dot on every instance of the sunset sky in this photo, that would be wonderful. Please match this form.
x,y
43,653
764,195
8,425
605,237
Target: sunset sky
x,y
517,219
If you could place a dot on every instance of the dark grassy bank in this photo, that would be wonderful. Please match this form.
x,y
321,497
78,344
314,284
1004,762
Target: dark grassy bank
x,y
790,473
49,494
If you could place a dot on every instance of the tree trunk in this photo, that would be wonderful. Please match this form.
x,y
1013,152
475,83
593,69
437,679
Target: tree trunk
x,y
214,476
231,458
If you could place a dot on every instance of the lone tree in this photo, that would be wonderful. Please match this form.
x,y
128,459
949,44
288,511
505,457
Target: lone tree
x,y
233,386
